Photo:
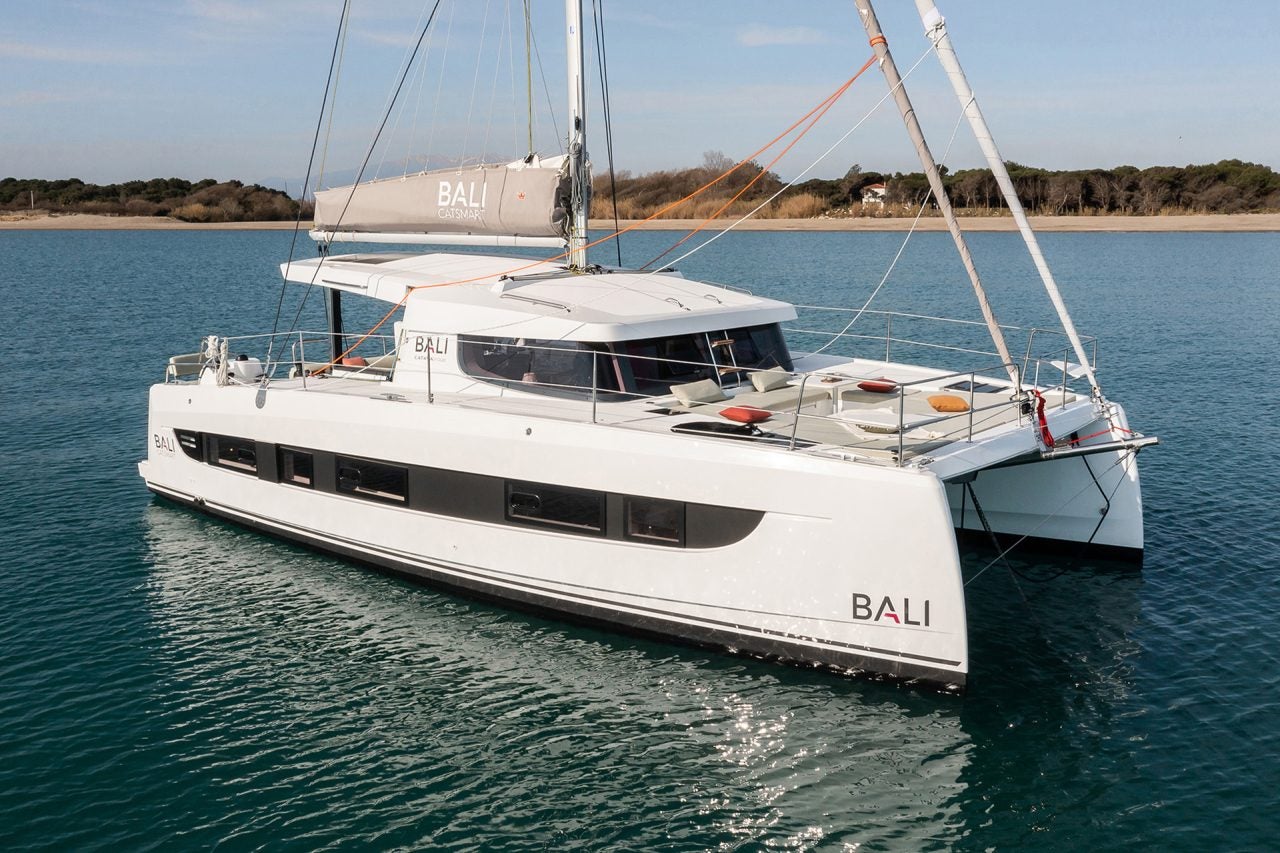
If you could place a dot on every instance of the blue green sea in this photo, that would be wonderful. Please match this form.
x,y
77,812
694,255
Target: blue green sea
x,y
171,682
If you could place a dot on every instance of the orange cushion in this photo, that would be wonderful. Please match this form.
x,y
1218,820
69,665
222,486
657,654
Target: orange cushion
x,y
948,403
746,414
354,361
879,386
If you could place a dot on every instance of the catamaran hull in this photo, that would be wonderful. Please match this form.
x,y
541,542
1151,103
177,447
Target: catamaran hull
x,y
825,576
1089,501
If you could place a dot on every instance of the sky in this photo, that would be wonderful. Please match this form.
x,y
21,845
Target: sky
x,y
113,90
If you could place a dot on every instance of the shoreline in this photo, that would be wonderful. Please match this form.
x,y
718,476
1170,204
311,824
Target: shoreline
x,y
1216,223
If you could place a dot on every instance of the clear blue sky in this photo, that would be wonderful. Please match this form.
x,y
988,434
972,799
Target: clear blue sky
x,y
109,90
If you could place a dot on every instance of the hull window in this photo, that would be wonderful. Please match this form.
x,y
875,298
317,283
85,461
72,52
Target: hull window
x,y
654,520
373,480
238,454
573,510
297,467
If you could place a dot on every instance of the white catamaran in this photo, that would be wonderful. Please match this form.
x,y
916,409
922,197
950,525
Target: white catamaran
x,y
633,448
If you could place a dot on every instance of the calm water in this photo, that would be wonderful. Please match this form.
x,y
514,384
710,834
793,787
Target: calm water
x,y
171,681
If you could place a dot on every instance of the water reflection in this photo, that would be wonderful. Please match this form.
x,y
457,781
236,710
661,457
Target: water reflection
x,y
1053,708
449,720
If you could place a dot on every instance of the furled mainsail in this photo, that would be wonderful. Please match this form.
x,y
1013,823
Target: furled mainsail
x,y
527,198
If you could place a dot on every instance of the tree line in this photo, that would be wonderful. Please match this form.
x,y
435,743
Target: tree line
x,y
1228,186
201,201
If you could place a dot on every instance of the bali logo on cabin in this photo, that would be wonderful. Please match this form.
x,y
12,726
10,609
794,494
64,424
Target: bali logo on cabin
x,y
462,200
888,610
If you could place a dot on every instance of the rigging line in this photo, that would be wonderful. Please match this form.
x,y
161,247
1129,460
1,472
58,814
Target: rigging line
x,y
528,68
475,82
386,149
435,107
802,174
764,171
504,38
340,54
726,173
546,90
315,141
511,70
1123,460
901,249
597,14
420,87
386,116
364,165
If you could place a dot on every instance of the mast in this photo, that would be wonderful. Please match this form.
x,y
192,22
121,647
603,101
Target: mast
x,y
579,179
890,70
935,28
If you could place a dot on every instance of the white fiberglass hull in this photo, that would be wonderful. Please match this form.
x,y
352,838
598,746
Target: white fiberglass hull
x,y
848,566
1092,500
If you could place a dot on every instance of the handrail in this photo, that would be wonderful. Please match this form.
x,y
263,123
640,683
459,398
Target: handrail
x,y
733,376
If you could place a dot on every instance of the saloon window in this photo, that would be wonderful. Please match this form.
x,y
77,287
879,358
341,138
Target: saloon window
x,y
239,454
755,347
571,510
653,365
373,480
297,467
653,520
564,365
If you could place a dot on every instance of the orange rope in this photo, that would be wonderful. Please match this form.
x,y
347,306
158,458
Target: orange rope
x,y
820,109
827,105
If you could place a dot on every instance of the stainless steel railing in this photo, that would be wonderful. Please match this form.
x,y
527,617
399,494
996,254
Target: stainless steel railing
x,y
958,426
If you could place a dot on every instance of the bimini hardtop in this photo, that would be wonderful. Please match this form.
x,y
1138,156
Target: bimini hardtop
x,y
516,297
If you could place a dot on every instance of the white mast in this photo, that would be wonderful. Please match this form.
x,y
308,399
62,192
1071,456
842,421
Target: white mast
x,y
936,29
891,76
579,178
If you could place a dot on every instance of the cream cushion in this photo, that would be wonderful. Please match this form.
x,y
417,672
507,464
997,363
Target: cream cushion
x,y
767,380
702,391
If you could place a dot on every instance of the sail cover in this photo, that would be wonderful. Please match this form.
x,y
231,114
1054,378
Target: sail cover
x,y
524,199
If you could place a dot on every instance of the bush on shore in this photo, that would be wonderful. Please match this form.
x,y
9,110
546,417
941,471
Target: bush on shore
x,y
202,201
1229,186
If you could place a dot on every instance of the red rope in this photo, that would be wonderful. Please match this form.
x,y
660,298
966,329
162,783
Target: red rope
x,y
1100,432
1045,435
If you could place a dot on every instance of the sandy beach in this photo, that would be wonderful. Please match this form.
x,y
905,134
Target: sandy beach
x,y
1200,222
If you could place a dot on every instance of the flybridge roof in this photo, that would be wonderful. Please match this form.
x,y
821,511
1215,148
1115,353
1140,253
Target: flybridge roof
x,y
519,297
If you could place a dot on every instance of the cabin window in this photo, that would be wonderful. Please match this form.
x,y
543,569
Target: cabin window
x,y
571,510
239,454
656,364
297,467
653,365
755,347
563,365
373,480
653,520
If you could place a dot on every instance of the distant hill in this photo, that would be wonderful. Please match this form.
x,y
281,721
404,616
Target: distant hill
x,y
1229,186
202,201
